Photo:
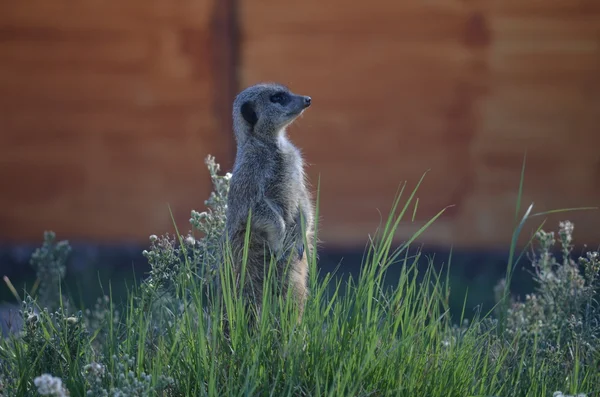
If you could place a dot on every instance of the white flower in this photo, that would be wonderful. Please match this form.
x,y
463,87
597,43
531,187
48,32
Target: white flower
x,y
560,394
203,215
49,385
95,368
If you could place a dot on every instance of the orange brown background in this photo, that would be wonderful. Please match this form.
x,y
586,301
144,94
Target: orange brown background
x,y
108,109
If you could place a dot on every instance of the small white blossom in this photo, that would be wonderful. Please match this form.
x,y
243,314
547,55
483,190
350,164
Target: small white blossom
x,y
32,318
566,231
49,385
203,215
560,394
95,368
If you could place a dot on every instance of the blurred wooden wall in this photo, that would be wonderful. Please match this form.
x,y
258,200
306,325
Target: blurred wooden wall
x,y
107,110
463,88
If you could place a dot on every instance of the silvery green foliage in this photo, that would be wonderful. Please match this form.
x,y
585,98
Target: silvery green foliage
x,y
172,258
54,342
175,258
563,302
560,320
560,394
6,381
95,374
48,385
168,256
211,223
125,382
49,262
169,261
98,319
51,338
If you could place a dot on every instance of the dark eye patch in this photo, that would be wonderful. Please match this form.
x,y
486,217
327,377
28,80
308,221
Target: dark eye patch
x,y
280,97
248,113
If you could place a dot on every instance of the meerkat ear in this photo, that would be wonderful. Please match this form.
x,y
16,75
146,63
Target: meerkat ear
x,y
248,113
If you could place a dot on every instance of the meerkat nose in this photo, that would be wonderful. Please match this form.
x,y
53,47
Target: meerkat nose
x,y
307,101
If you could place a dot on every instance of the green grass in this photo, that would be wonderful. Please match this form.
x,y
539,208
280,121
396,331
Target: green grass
x,y
358,337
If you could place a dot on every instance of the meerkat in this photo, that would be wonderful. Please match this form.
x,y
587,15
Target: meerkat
x,y
268,179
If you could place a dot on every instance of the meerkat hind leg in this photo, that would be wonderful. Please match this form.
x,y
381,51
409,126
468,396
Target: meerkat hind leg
x,y
298,282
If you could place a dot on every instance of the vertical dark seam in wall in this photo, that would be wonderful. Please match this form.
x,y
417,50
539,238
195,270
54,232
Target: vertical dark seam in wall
x,y
224,58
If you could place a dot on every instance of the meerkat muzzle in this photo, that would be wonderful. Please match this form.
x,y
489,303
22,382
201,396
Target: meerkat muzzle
x,y
307,101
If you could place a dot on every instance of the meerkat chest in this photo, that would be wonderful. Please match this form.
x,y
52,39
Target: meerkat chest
x,y
287,181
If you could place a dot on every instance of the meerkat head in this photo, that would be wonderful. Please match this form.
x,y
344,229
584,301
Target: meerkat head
x,y
265,110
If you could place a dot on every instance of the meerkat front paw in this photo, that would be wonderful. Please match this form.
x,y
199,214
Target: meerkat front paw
x,y
277,237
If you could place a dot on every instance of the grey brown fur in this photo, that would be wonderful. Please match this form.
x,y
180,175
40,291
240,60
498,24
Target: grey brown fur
x,y
268,178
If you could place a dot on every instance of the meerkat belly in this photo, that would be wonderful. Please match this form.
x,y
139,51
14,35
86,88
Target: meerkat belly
x,y
283,187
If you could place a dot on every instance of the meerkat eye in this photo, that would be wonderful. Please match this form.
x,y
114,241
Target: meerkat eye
x,y
280,98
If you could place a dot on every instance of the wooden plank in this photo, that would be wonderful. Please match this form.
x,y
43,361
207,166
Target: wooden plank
x,y
461,88
107,112
414,18
545,8
105,15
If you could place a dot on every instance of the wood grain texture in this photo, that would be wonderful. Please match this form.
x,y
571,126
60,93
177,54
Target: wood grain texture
x,y
107,110
462,89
